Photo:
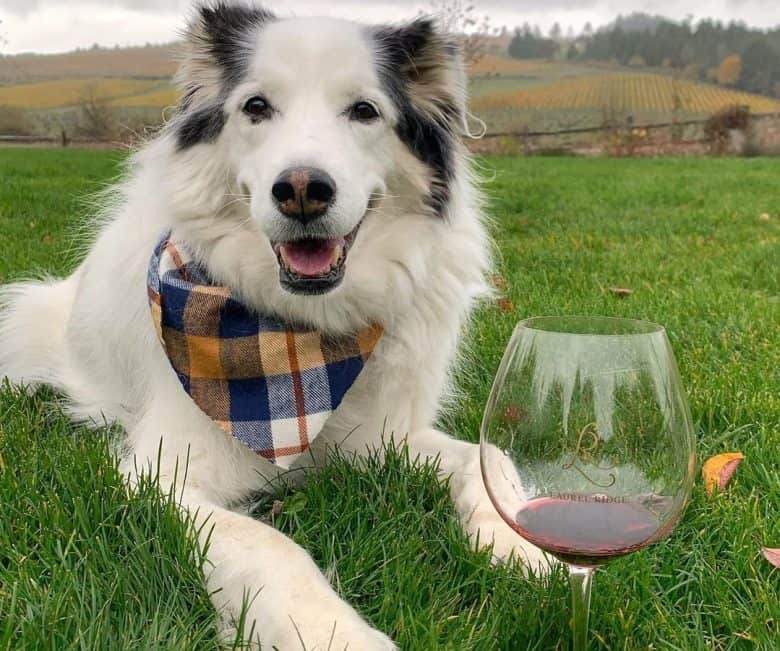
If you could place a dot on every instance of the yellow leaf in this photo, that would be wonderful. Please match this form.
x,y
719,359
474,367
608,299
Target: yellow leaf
x,y
499,282
718,470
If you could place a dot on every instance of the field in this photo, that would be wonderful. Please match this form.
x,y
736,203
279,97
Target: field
x,y
72,92
587,99
507,94
640,92
156,61
84,565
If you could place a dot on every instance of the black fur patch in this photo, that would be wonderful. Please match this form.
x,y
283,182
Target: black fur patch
x,y
224,27
200,126
431,138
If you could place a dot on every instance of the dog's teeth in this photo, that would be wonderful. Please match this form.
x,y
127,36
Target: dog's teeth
x,y
335,257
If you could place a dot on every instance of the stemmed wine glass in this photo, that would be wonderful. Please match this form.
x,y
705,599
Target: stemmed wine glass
x,y
587,446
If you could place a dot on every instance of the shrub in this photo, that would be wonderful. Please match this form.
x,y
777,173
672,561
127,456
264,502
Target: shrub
x,y
14,122
719,128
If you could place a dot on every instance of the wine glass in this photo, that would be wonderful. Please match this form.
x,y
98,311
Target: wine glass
x,y
587,445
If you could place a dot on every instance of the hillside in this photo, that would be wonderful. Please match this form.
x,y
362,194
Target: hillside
x,y
153,61
62,93
47,94
626,92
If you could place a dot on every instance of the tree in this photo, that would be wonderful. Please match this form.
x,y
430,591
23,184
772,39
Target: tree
x,y
730,70
459,18
760,68
96,118
525,45
556,32
587,31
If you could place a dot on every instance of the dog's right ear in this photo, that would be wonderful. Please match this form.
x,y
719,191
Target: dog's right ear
x,y
218,45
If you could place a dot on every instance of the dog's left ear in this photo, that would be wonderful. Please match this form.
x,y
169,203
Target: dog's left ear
x,y
217,47
426,66
422,72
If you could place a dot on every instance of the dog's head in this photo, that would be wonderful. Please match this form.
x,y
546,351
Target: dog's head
x,y
326,133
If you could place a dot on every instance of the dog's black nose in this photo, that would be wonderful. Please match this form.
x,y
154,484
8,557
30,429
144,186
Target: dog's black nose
x,y
304,193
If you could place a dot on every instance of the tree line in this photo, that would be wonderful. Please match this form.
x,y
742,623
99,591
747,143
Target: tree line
x,y
731,54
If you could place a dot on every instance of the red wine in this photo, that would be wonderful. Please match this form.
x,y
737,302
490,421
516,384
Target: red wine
x,y
587,529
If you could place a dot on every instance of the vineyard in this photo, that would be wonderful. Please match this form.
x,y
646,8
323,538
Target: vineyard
x,y
161,96
626,92
151,61
71,92
508,95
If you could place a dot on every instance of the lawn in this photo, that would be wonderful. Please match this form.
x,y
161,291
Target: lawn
x,y
85,566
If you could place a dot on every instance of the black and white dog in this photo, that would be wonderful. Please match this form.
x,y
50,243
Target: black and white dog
x,y
315,169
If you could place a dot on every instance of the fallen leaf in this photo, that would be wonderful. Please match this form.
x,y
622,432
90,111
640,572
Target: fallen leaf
x,y
499,282
277,507
505,305
47,239
765,217
772,555
718,470
621,292
513,414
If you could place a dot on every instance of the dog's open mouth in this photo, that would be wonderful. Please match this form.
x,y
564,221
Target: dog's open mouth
x,y
313,266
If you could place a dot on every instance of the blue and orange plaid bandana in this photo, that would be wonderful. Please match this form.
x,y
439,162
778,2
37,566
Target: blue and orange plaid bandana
x,y
271,386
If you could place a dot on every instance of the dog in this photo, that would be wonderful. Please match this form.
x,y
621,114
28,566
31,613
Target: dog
x,y
315,170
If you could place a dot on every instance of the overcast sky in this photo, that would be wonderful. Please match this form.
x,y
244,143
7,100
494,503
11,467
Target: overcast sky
x,y
61,25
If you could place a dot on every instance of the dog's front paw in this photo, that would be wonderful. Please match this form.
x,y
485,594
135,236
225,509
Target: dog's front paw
x,y
484,525
323,626
487,527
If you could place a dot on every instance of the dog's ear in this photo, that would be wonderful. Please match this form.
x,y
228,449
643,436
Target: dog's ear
x,y
426,65
218,44
422,72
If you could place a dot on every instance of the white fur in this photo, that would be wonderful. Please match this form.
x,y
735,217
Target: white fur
x,y
91,335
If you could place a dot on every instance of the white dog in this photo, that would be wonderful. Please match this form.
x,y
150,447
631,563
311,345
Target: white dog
x,y
314,169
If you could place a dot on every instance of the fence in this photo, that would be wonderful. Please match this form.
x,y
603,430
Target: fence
x,y
676,137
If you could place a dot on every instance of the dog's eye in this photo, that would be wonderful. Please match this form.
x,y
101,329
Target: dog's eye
x,y
363,112
257,108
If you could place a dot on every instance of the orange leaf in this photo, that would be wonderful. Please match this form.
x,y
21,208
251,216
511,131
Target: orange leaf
x,y
513,414
718,470
772,555
505,305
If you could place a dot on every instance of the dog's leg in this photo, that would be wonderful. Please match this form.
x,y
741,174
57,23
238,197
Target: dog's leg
x,y
459,461
291,604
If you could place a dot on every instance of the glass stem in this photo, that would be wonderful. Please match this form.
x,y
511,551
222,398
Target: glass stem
x,y
580,579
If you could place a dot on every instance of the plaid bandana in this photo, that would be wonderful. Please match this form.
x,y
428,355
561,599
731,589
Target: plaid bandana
x,y
271,386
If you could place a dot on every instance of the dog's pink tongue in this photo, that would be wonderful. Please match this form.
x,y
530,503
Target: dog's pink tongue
x,y
311,258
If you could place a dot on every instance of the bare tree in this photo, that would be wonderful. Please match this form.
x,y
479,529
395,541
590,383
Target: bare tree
x,y
96,118
460,19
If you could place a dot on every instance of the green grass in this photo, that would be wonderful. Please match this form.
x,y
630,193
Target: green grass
x,y
85,566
